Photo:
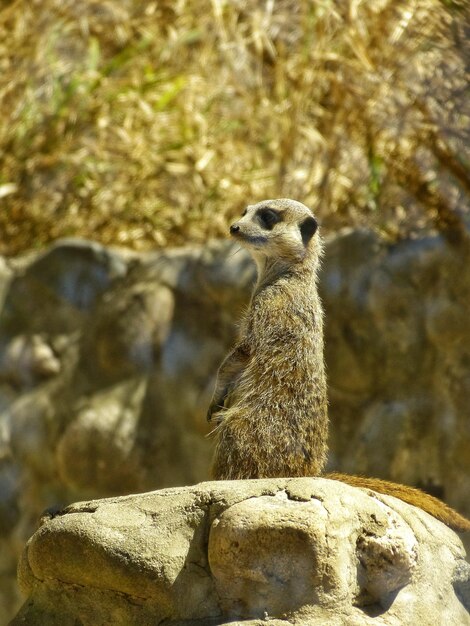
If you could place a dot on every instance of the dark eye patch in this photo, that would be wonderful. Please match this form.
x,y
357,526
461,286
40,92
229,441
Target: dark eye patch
x,y
307,229
268,218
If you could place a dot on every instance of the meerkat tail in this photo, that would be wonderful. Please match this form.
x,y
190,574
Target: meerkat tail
x,y
410,495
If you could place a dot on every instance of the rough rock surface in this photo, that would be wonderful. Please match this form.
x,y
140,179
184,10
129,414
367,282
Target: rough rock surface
x,y
107,360
285,551
398,355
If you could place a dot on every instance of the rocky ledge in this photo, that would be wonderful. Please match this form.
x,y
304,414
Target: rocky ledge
x,y
281,551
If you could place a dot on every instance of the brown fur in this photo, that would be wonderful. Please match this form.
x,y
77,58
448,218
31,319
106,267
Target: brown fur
x,y
270,400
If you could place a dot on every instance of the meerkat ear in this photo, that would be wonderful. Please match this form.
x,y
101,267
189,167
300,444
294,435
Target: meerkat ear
x,y
307,229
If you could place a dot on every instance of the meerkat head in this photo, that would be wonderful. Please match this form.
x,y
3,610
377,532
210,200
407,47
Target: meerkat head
x,y
277,229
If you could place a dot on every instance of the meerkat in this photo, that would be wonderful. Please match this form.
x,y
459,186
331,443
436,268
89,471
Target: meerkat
x,y
274,377
270,402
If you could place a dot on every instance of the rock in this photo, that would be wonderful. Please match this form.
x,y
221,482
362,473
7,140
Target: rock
x,y
107,363
5,276
307,551
461,583
10,544
397,337
28,359
54,291
108,359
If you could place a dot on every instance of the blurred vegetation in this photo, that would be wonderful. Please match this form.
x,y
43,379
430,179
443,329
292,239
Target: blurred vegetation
x,y
146,124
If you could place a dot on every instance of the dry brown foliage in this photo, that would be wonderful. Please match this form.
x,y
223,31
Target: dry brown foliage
x,y
152,123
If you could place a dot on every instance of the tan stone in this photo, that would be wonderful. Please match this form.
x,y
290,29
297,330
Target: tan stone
x,y
299,551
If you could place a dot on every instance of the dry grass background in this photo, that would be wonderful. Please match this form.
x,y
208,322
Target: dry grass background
x,y
147,123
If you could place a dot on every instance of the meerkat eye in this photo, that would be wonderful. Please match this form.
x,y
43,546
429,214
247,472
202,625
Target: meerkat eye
x,y
268,218
244,212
